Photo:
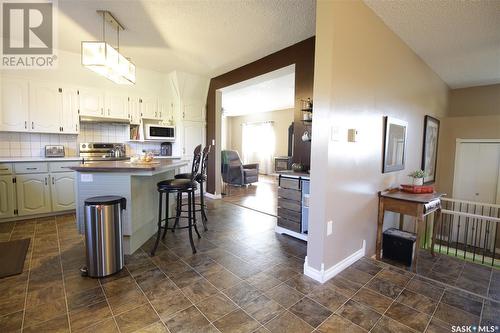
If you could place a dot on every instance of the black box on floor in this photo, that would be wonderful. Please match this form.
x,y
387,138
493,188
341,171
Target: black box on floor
x,y
398,245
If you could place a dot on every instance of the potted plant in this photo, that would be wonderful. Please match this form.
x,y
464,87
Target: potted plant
x,y
418,177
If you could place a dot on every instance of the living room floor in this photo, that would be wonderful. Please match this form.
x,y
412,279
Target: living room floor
x,y
261,196
244,278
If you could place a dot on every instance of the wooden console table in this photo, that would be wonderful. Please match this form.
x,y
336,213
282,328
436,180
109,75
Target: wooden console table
x,y
416,205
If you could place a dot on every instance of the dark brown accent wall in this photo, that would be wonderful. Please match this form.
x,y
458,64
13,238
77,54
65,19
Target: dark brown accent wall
x,y
300,54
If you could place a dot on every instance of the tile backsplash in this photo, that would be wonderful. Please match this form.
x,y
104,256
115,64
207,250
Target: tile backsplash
x,y
33,144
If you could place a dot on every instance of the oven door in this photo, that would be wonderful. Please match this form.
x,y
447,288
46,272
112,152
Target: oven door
x,y
164,133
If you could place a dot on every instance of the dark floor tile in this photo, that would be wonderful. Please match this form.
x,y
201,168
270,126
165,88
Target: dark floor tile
x,y
149,279
242,293
263,309
236,321
460,300
199,290
281,272
188,320
399,278
491,313
417,301
223,279
263,282
88,315
338,324
54,325
157,327
11,322
367,266
345,287
359,314
285,295
355,275
388,325
425,288
85,298
126,300
408,316
172,269
328,297
52,290
475,285
186,278
11,304
107,325
136,318
438,326
455,316
310,311
384,287
167,305
374,300
76,284
216,306
303,283
287,322
39,314
164,287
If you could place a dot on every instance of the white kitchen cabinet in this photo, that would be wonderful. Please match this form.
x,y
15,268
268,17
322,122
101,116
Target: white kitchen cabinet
x,y
165,111
91,102
149,107
14,112
70,122
134,109
193,111
116,105
45,107
193,134
7,199
33,194
62,191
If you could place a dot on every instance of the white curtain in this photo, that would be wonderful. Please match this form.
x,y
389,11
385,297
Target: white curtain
x,y
258,144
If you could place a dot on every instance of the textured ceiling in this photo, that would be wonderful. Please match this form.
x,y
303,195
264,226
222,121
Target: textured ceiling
x,y
269,92
459,40
202,37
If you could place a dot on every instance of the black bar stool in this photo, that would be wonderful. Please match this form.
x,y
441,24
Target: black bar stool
x,y
200,178
179,186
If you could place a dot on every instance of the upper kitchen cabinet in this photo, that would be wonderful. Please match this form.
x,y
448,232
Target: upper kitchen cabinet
x,y
91,102
70,123
45,107
165,110
116,105
149,107
134,109
193,111
14,113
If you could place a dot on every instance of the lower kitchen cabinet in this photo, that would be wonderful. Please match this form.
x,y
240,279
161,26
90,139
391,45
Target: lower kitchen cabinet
x,y
33,194
62,191
7,199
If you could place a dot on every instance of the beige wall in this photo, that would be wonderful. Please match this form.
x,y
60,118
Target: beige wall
x,y
475,101
281,118
363,72
474,113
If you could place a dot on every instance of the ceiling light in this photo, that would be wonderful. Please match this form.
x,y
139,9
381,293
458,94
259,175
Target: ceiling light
x,y
104,59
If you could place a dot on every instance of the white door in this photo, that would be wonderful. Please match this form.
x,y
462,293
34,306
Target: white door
x,y
70,118
91,102
193,111
476,172
7,200
62,191
14,112
149,107
33,194
116,106
46,105
193,134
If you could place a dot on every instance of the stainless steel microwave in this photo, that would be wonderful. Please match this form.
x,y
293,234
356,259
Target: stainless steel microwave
x,y
159,132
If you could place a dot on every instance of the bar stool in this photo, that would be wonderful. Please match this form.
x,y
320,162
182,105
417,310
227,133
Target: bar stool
x,y
179,186
200,178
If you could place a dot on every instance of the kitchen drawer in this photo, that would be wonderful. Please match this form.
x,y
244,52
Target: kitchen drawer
x,y
62,166
32,167
290,214
287,224
5,168
289,194
291,183
289,204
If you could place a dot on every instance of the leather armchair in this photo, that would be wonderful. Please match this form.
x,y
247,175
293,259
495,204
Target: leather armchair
x,y
234,172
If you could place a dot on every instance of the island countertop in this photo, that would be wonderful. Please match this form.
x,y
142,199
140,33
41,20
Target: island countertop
x,y
156,166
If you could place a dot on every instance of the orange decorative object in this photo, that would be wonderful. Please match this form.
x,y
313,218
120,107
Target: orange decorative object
x,y
417,189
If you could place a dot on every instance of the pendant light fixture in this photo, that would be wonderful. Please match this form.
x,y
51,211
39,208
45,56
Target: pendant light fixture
x,y
104,59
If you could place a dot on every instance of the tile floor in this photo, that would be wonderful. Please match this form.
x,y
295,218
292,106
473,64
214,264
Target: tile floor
x,y
245,278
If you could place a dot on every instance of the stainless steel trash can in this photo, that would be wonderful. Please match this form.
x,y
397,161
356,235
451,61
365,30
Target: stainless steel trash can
x,y
103,235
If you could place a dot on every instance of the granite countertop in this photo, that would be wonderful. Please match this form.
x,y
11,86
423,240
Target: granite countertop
x,y
39,159
294,174
126,166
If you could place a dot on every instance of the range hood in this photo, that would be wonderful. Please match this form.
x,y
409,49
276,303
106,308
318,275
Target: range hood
x,y
93,119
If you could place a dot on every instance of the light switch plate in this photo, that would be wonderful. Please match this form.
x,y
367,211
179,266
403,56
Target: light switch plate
x,y
352,135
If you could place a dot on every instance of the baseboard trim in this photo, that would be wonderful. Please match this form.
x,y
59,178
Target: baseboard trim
x,y
323,275
285,231
213,196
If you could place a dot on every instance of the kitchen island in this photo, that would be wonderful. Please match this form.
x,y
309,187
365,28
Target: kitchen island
x,y
134,182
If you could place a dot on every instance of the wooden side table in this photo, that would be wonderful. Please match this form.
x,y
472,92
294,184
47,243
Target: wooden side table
x,y
416,205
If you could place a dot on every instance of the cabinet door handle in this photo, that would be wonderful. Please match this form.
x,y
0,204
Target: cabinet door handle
x,y
53,181
4,169
32,125
25,125
62,129
46,181
31,168
76,127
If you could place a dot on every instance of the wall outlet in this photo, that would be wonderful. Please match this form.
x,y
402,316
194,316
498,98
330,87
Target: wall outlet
x,y
329,228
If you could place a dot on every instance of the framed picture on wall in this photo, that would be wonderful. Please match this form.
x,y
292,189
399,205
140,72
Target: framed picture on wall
x,y
430,148
394,144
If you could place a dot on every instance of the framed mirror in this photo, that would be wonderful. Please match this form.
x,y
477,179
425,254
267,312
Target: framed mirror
x,y
395,135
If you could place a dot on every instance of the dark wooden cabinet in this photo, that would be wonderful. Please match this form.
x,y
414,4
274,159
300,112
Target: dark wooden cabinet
x,y
290,204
